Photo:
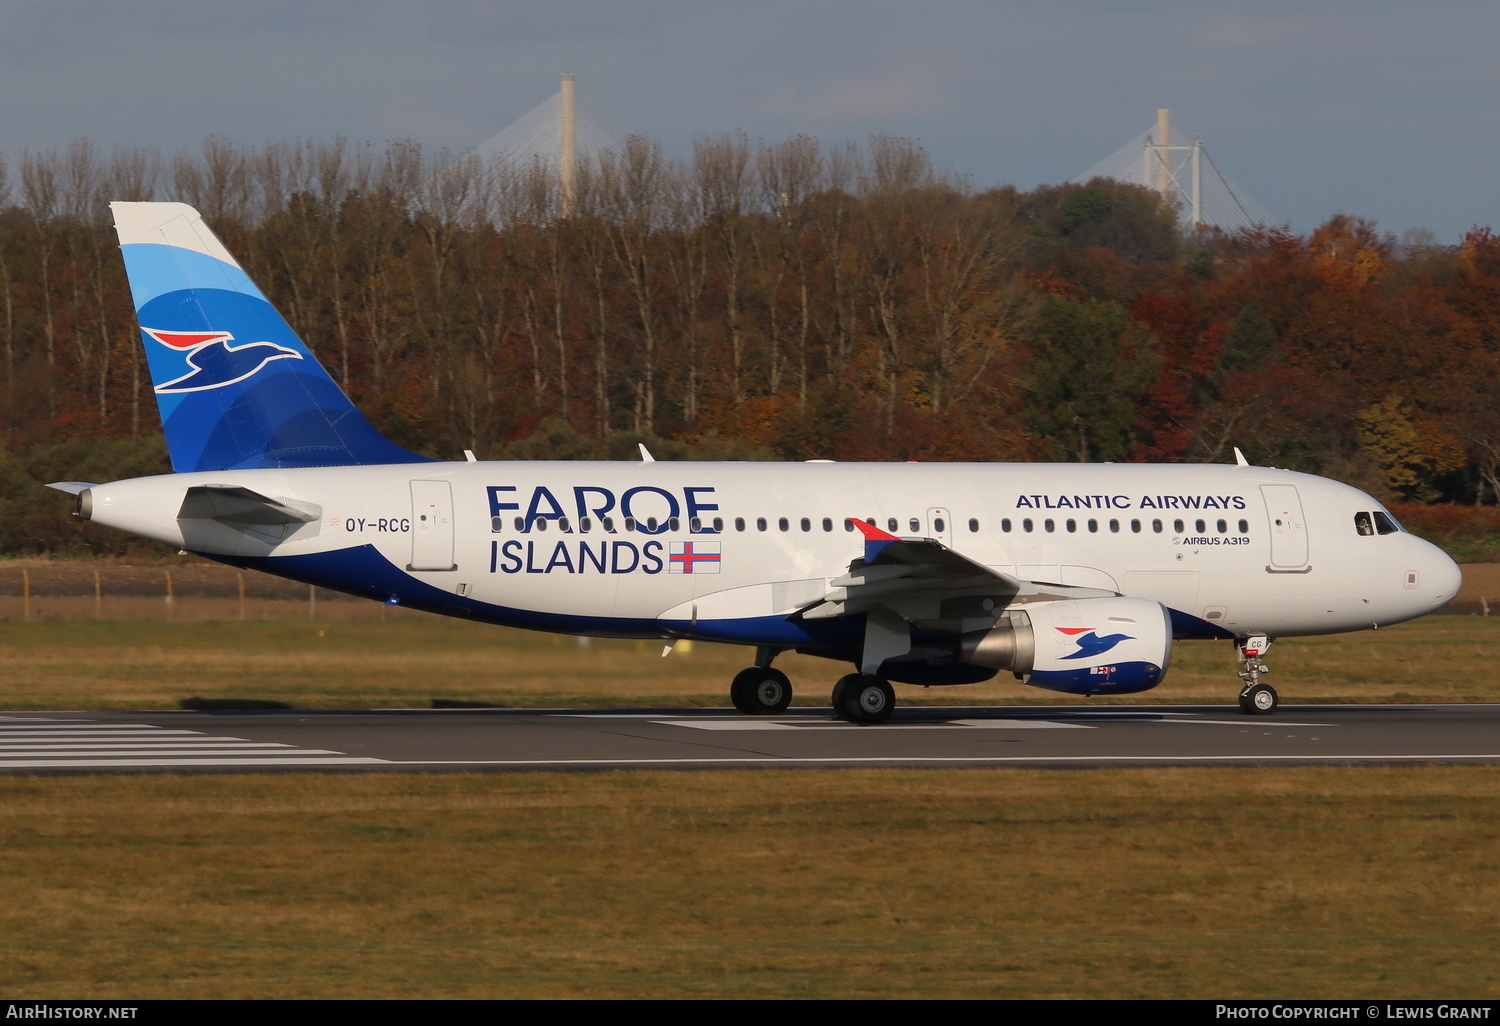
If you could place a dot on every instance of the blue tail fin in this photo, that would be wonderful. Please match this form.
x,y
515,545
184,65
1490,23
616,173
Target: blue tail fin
x,y
236,387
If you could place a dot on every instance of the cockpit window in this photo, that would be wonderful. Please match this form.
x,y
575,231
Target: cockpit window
x,y
1379,522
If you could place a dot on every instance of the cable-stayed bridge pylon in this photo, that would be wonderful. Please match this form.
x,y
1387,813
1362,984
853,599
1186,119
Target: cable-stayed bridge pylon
x,y
555,135
1184,175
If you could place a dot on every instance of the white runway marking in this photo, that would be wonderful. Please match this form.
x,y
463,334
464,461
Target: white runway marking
x,y
74,744
174,763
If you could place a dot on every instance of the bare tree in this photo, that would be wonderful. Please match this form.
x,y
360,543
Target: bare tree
x,y
725,185
41,193
790,174
636,183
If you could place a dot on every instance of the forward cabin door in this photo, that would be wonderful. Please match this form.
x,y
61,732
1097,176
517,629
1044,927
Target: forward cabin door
x,y
1288,528
432,526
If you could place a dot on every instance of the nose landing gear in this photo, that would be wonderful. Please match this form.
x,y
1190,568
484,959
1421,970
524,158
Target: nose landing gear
x,y
1256,699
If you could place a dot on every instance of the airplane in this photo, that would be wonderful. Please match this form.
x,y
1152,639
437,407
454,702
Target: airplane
x,y
1076,578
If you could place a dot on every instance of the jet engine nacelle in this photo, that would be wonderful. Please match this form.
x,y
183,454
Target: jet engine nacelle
x,y
1096,646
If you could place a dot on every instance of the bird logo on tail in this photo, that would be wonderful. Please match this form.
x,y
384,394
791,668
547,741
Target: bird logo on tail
x,y
214,361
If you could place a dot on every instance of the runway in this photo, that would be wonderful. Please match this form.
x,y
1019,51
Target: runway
x,y
498,740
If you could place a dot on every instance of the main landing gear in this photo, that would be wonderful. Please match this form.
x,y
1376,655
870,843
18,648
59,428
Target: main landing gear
x,y
857,697
761,691
1256,699
863,698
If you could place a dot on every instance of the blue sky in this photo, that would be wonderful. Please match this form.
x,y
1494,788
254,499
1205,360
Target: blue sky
x,y
1382,109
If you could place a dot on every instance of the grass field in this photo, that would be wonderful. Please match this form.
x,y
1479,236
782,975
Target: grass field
x,y
411,661
1208,883
1192,883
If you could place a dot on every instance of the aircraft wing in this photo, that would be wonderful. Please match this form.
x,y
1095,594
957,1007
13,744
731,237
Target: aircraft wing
x,y
895,572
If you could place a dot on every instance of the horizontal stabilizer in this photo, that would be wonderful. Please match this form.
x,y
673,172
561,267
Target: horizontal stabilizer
x,y
235,506
71,487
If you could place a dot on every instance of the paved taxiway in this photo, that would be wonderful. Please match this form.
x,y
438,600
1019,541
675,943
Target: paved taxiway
x,y
530,739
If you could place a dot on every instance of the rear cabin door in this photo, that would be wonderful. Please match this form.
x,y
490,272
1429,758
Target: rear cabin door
x,y
432,526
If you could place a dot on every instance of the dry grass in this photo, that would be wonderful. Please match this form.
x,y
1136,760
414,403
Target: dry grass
x,y
412,660
1348,883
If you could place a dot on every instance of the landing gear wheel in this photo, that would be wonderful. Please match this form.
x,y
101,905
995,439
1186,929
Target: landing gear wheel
x,y
761,691
1258,700
866,699
838,692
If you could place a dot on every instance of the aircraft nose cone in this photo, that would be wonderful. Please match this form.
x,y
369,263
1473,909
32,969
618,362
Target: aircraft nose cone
x,y
1432,579
1441,579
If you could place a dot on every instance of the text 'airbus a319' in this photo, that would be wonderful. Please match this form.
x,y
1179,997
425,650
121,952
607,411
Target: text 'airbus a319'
x,y
1076,578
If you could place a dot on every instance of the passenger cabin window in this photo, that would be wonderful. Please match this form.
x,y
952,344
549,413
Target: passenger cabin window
x,y
739,523
497,524
760,523
806,524
939,525
916,525
608,523
890,525
1026,525
974,526
783,523
827,523
1049,525
1004,524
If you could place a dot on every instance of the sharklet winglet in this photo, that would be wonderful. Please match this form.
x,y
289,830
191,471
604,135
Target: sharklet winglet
x,y
876,540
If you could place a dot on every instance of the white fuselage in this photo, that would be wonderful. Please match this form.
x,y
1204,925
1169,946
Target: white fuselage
x,y
632,549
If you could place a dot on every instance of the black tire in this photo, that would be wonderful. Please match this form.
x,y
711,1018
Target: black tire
x,y
838,693
867,699
1260,700
761,691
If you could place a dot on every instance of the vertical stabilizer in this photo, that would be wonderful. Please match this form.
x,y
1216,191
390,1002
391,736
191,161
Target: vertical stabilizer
x,y
236,387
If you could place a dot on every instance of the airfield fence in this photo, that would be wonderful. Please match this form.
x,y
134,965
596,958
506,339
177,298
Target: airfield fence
x,y
183,592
